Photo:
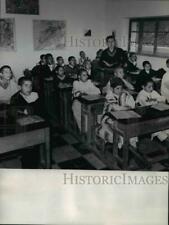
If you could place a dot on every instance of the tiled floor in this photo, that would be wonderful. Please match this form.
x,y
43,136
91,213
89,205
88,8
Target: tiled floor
x,y
69,153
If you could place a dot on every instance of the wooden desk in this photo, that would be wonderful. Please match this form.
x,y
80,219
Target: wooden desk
x,y
15,137
151,121
89,111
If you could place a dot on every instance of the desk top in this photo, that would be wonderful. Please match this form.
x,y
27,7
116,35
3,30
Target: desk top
x,y
147,114
24,124
91,99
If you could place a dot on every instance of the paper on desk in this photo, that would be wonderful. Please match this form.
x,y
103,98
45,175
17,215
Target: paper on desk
x,y
29,120
125,114
161,106
91,97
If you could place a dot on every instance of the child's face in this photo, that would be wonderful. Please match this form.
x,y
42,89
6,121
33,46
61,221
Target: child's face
x,y
49,60
72,62
82,54
149,87
133,58
119,73
111,43
147,67
7,73
60,61
84,76
26,87
88,65
61,71
43,60
118,90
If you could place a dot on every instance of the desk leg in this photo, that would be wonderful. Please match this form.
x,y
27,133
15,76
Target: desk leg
x,y
125,153
115,149
47,148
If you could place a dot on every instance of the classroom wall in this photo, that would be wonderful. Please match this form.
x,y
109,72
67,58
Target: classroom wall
x,y
101,16
79,15
118,13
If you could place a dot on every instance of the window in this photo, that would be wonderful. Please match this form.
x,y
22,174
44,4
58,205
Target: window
x,y
149,36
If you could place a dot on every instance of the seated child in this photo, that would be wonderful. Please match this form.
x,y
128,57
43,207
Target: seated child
x,y
83,86
147,73
60,79
132,63
71,70
88,68
83,58
8,85
25,102
119,72
60,62
117,99
147,97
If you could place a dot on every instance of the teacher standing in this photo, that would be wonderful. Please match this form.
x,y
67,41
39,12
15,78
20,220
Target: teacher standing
x,y
112,55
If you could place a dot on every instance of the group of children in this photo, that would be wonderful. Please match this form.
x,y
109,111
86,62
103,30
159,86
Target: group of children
x,y
127,87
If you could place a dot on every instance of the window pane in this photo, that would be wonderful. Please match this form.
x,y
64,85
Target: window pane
x,y
163,39
134,26
133,47
164,26
134,37
162,50
148,38
149,26
147,49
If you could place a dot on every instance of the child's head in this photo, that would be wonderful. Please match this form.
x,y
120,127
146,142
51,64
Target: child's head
x,y
148,85
110,41
72,60
83,76
6,72
26,85
119,72
117,85
60,71
43,59
147,65
133,56
60,60
82,54
87,65
167,63
49,59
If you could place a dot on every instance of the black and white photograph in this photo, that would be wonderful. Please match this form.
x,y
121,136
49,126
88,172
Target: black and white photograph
x,y
84,87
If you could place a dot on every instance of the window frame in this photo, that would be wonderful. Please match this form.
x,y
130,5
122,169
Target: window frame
x,y
141,20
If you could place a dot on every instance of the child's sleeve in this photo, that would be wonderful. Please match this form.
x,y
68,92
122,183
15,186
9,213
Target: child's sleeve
x,y
93,90
158,97
76,89
143,100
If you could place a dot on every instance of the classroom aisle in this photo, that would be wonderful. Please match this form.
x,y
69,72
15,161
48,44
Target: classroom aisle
x,y
69,153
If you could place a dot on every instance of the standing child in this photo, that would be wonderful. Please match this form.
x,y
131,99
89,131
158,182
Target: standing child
x,y
165,82
83,86
147,97
117,99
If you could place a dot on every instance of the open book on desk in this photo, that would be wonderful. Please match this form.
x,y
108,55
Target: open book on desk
x,y
92,97
124,115
161,107
28,120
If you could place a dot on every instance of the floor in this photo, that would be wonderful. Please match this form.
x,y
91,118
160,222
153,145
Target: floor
x,y
69,153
